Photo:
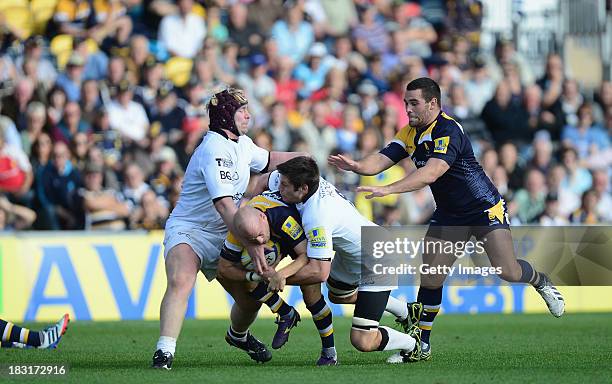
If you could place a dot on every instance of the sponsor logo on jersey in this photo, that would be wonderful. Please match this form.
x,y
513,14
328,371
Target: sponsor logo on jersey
x,y
441,144
292,228
221,162
317,238
497,213
228,176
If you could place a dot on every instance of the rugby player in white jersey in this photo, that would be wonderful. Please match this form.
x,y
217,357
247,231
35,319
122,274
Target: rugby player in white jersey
x,y
333,229
216,178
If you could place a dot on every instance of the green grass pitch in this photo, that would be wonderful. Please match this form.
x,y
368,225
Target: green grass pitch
x,y
484,348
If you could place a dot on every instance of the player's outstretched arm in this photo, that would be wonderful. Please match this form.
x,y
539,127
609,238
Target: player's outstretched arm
x,y
370,165
277,158
422,177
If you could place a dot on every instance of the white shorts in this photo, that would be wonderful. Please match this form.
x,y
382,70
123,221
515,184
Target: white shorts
x,y
347,269
205,243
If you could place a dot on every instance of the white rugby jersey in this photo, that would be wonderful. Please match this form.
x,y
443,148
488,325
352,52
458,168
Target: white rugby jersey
x,y
218,167
331,223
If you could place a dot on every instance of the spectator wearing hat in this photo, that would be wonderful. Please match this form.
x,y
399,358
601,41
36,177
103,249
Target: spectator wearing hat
x,y
128,117
292,34
105,209
57,192
72,79
182,33
95,63
313,72
166,118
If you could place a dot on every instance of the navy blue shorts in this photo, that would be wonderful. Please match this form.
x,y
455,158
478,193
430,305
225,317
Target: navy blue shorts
x,y
477,224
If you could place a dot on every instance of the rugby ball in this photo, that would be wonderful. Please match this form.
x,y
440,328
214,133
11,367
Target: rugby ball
x,y
272,252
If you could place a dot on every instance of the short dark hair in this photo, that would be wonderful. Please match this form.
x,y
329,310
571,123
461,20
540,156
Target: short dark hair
x,y
301,170
429,88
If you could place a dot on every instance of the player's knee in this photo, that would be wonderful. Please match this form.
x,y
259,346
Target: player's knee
x,y
181,282
364,341
342,300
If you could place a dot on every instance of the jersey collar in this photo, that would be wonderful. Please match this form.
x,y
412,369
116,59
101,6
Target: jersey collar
x,y
222,133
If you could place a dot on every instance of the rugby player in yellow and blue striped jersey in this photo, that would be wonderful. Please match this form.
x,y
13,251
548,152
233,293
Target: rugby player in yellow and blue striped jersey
x,y
464,197
267,220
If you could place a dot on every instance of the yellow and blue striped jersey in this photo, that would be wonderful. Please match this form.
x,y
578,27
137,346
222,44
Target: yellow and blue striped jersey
x,y
464,188
284,221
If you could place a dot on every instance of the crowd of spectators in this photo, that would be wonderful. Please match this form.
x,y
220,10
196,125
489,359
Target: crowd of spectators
x,y
98,136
